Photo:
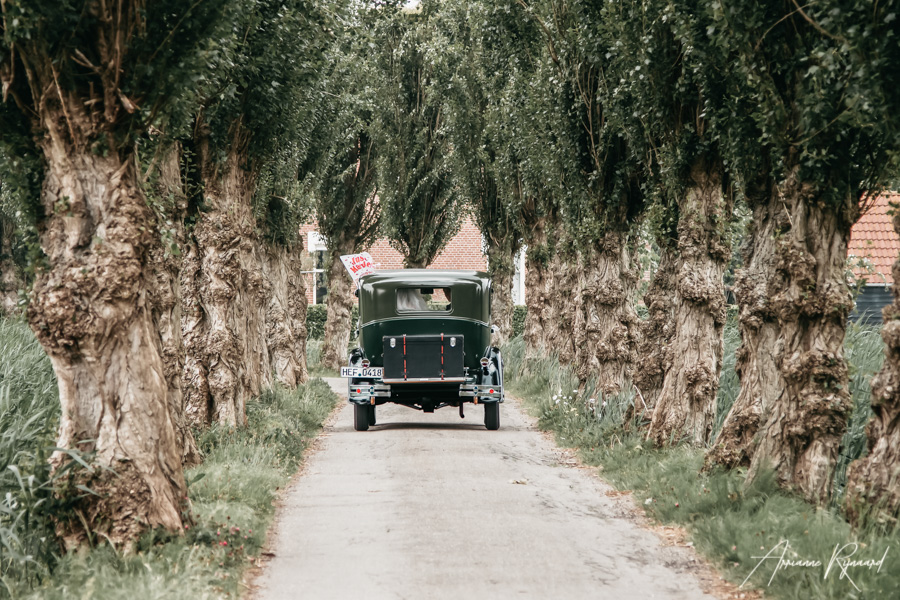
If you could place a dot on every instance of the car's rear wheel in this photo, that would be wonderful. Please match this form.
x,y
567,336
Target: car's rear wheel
x,y
492,416
371,415
361,417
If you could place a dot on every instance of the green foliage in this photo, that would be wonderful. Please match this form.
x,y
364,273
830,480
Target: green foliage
x,y
316,316
462,57
419,203
343,155
139,68
728,521
520,313
815,81
262,106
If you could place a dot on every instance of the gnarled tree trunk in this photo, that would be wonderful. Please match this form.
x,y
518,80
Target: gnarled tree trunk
x,y
502,267
606,328
873,482
756,285
339,306
801,434
286,315
91,313
686,406
562,310
165,296
537,287
656,333
225,323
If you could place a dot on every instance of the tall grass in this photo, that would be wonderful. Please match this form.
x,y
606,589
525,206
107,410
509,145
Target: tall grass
x,y
729,521
29,415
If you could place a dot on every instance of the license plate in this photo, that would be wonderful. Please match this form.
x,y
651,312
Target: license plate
x,y
361,372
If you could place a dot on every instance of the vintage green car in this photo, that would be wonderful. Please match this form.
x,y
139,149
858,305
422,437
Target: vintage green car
x,y
425,343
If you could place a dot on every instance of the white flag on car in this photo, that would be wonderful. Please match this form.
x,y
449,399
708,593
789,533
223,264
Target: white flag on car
x,y
358,265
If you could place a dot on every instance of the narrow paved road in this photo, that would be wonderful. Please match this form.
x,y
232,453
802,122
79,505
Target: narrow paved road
x,y
432,506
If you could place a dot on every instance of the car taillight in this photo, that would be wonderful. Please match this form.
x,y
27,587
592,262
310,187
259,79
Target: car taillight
x,y
365,363
485,362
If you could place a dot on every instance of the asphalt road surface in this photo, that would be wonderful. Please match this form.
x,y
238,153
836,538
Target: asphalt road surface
x,y
433,506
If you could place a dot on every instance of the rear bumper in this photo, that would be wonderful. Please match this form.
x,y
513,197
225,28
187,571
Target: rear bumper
x,y
379,392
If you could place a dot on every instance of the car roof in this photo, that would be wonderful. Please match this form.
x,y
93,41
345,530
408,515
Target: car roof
x,y
431,277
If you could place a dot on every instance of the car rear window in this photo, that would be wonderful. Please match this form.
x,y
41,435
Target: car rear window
x,y
422,299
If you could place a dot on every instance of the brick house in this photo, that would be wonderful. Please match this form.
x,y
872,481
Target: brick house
x,y
464,251
873,239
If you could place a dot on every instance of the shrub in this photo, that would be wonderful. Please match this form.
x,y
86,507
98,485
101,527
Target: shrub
x,y
520,311
317,315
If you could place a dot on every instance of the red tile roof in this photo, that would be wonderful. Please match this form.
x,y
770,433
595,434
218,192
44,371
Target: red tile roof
x,y
873,238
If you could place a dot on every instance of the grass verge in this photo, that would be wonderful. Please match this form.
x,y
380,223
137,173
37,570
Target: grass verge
x,y
733,524
232,493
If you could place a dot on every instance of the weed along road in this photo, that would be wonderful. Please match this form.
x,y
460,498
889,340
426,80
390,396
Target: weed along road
x,y
434,506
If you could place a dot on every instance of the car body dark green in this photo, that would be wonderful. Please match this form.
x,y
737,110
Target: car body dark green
x,y
429,332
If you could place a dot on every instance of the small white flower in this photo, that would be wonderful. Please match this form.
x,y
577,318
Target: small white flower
x,y
648,501
592,401
555,396
604,403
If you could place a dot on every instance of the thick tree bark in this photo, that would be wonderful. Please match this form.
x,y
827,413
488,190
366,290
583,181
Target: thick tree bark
x,y
686,406
225,323
537,287
873,482
286,316
606,327
90,312
339,306
801,434
756,286
656,333
566,279
166,302
502,267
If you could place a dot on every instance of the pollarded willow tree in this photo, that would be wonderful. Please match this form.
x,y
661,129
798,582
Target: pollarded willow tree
x,y
419,203
516,128
873,482
665,68
243,295
472,93
599,186
81,82
343,178
819,153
